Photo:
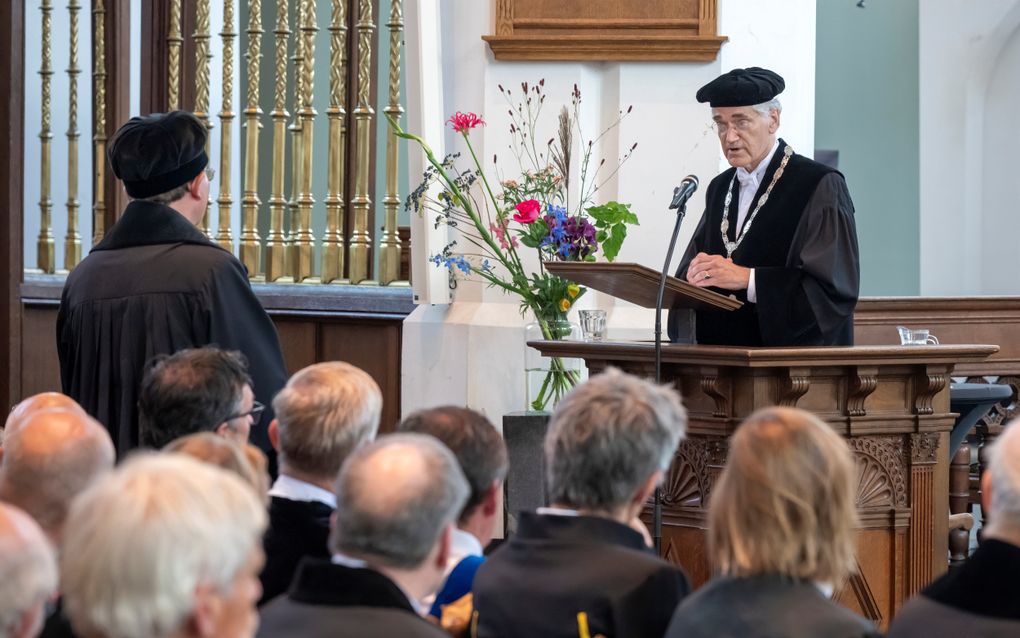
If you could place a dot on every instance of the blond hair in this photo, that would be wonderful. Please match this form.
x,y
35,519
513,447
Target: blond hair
x,y
784,503
225,453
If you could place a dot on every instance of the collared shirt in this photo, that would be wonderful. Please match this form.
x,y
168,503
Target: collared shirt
x,y
297,490
749,183
357,563
462,545
557,511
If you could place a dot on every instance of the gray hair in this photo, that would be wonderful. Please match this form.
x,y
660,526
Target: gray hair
x,y
168,197
324,413
1004,466
51,458
139,543
28,569
607,437
772,105
395,497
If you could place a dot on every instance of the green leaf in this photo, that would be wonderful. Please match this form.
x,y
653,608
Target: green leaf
x,y
611,247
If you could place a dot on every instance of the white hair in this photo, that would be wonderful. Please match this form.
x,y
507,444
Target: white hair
x,y
28,568
1004,466
765,107
139,542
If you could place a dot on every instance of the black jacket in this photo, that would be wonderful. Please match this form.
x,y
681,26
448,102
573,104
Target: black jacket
x,y
980,599
555,567
765,607
155,285
328,600
296,529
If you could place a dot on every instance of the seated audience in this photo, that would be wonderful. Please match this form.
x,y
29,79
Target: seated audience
x,y
981,598
196,390
164,546
482,456
228,455
325,412
579,566
781,524
51,457
28,574
397,503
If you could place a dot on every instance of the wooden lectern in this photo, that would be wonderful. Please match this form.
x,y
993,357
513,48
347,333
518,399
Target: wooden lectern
x,y
890,402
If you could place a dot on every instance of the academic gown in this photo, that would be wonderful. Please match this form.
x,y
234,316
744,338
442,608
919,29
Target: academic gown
x,y
155,285
803,247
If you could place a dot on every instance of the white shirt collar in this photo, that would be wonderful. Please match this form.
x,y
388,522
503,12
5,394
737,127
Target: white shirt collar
x,y
357,563
557,511
755,176
462,545
297,490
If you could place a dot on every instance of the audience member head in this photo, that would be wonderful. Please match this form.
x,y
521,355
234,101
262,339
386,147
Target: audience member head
x,y
164,546
324,413
51,457
224,453
482,456
34,403
1001,487
161,158
196,390
784,504
28,574
397,503
610,442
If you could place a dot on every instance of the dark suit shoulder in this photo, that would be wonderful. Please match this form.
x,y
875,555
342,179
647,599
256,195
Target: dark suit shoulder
x,y
284,617
923,617
762,607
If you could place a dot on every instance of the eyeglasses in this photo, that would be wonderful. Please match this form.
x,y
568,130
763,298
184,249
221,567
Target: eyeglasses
x,y
210,173
741,125
255,413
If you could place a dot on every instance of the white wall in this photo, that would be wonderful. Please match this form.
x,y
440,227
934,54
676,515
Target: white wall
x,y
472,351
969,62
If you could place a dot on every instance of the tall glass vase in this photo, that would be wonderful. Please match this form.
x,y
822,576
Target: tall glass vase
x,y
549,379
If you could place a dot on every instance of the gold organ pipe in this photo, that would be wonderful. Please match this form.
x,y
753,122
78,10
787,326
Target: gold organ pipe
x,y
175,40
303,239
45,245
333,241
276,243
361,241
72,240
225,237
250,241
389,245
98,121
203,54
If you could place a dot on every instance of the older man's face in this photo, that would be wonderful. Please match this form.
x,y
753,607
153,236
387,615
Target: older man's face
x,y
236,616
745,134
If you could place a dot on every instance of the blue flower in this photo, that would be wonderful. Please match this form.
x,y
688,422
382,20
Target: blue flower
x,y
486,266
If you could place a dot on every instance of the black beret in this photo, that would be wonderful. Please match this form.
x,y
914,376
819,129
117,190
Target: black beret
x,y
742,87
156,153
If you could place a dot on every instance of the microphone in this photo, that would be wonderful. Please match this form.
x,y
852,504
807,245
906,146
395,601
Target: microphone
x,y
683,192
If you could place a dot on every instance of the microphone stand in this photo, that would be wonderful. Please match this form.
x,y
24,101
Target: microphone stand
x,y
680,213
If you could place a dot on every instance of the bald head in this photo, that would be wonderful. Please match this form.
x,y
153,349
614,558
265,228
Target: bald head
x,y
1001,484
38,403
53,455
28,573
395,497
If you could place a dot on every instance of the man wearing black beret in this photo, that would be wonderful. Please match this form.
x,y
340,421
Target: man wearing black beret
x,y
155,284
778,231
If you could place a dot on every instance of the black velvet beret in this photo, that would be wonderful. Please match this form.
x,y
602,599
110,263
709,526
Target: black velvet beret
x,y
156,153
742,87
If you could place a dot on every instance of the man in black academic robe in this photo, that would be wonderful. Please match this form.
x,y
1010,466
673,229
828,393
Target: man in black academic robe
x,y
778,231
155,284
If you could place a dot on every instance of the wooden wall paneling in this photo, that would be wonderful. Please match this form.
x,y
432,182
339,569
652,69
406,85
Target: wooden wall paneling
x,y
39,345
375,348
605,30
299,340
12,118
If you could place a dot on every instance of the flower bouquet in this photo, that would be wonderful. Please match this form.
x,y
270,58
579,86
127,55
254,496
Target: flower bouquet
x,y
496,218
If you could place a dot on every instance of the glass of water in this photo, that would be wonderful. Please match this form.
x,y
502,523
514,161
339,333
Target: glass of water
x,y
593,325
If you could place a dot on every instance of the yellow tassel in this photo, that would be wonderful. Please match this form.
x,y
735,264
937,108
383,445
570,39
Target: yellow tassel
x,y
582,625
